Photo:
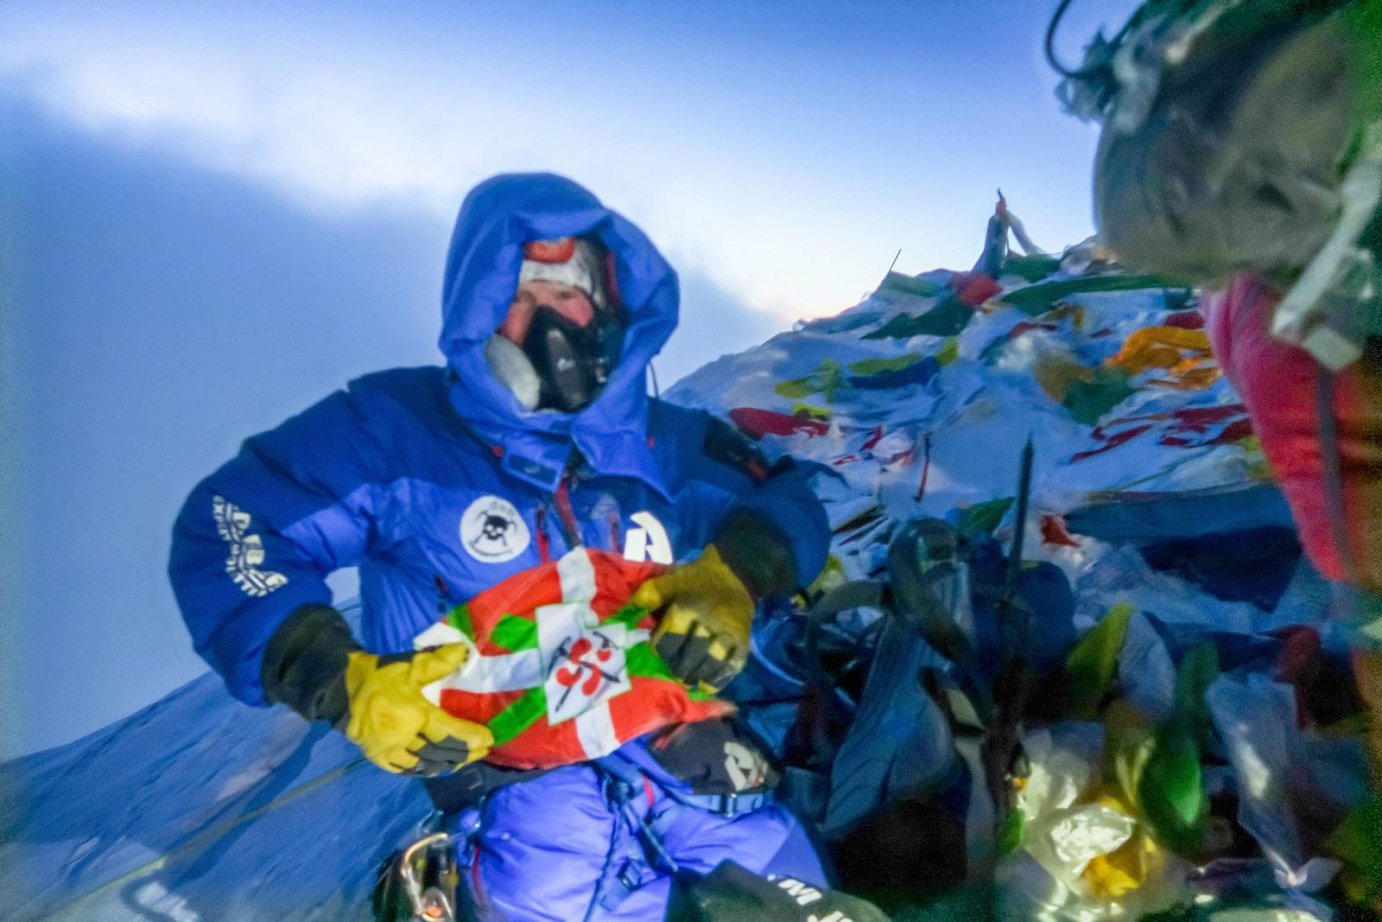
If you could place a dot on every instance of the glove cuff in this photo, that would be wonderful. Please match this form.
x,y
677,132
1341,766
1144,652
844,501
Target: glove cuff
x,y
305,663
756,552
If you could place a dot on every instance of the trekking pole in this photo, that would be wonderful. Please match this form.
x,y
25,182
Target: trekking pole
x,y
1024,489
1002,745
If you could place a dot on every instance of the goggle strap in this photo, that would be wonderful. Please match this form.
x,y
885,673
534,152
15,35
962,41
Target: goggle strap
x,y
559,250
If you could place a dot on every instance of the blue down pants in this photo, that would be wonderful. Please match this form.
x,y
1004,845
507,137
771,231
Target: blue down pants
x,y
575,844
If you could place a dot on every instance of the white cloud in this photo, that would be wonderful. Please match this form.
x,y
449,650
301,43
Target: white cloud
x,y
759,205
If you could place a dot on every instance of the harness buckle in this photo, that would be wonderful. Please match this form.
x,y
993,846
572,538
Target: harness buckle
x,y
428,875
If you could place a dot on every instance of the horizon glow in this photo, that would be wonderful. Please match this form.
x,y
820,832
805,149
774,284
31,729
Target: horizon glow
x,y
773,160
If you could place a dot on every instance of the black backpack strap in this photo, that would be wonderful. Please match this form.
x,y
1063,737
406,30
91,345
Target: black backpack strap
x,y
819,737
469,786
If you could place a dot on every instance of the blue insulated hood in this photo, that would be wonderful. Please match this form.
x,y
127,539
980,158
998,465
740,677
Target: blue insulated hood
x,y
496,219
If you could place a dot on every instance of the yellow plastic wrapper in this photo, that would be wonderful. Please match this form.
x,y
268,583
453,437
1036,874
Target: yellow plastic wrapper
x,y
1184,354
1086,853
1117,873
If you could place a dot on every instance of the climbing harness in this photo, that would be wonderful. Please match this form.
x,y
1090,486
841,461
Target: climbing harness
x,y
421,881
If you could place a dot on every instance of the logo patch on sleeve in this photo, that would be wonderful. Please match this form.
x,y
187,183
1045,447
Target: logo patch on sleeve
x,y
246,550
493,531
648,540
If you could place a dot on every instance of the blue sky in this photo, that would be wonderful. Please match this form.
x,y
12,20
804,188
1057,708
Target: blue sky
x,y
214,214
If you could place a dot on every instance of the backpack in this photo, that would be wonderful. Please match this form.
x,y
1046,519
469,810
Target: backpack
x,y
897,754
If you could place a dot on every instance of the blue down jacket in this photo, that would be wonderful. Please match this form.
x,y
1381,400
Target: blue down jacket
x,y
437,484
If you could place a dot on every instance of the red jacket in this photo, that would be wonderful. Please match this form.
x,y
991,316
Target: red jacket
x,y
1279,384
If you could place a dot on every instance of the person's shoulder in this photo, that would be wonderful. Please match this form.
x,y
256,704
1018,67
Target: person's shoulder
x,y
665,415
407,397
401,383
686,431
412,391
676,428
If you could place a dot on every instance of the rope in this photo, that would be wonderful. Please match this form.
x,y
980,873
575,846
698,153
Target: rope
x,y
1100,70
204,838
1050,44
1333,475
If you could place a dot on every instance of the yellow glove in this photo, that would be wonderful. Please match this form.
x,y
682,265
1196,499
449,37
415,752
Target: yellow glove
x,y
396,726
703,631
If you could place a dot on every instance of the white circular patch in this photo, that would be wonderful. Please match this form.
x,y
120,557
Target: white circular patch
x,y
493,531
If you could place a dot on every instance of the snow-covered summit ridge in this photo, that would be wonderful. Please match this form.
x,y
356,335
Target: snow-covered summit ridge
x,y
922,396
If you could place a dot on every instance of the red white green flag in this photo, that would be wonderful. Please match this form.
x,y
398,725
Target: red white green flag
x,y
562,668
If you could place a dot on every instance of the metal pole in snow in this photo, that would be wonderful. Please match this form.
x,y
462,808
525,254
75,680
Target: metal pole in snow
x,y
1024,489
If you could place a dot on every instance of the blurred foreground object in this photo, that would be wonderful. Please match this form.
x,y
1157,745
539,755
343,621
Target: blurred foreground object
x,y
1246,137
1242,150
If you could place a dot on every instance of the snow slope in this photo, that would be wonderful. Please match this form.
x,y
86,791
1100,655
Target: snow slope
x,y
198,807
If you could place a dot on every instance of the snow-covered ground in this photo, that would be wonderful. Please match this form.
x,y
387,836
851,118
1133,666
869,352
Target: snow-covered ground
x,y
916,401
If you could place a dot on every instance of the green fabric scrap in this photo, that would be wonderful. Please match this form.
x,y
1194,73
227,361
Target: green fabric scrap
x,y
1041,297
949,351
1363,22
1358,844
1091,665
1010,830
629,616
1089,400
459,618
514,633
896,281
945,319
1198,670
802,408
642,660
700,694
527,710
826,379
869,367
1032,268
983,517
1171,790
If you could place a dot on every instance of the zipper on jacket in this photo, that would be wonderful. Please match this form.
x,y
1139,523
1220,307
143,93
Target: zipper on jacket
x,y
616,542
544,544
566,515
443,594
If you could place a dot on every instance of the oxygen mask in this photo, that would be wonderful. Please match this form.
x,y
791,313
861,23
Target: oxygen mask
x,y
561,339
572,361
